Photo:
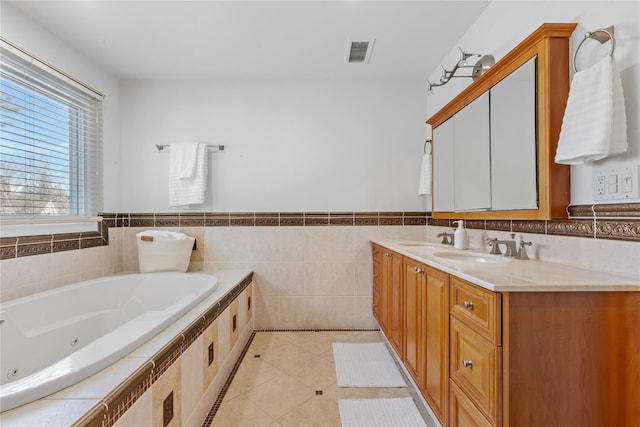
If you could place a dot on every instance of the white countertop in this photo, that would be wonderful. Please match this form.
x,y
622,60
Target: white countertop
x,y
514,275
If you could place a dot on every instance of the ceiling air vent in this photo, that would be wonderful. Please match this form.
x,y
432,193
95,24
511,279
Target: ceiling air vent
x,y
359,52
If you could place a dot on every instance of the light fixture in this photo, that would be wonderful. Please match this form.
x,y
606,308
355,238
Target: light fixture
x,y
479,68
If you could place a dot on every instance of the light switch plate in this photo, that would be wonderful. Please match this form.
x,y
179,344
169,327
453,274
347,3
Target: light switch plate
x,y
616,183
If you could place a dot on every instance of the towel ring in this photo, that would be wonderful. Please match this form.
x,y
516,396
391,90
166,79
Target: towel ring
x,y
425,147
602,35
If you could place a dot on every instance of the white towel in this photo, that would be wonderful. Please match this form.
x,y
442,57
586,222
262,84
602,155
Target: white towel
x,y
425,173
182,159
162,234
619,131
184,191
588,131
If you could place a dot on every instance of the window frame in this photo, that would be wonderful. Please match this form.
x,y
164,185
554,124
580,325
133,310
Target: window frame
x,y
80,215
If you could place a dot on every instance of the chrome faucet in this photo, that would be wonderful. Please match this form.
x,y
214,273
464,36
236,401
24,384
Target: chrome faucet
x,y
510,246
447,238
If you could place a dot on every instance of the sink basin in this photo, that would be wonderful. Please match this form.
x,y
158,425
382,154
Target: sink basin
x,y
420,244
470,257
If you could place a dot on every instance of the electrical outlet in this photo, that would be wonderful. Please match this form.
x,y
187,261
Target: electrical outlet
x,y
616,183
600,185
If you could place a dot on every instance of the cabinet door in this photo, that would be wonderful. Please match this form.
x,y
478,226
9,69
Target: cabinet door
x,y
396,300
443,171
462,412
436,341
514,182
414,307
476,367
376,278
472,158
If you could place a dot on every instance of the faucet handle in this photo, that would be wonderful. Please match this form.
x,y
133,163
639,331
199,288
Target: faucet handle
x,y
495,247
522,252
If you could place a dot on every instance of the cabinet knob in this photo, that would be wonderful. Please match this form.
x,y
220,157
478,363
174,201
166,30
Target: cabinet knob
x,y
374,305
416,269
421,270
467,363
387,254
468,305
375,275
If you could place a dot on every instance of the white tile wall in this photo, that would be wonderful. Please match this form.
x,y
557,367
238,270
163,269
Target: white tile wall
x,y
301,273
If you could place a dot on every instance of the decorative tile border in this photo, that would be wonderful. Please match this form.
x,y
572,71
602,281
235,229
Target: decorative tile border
x,y
606,221
618,221
16,247
116,403
261,219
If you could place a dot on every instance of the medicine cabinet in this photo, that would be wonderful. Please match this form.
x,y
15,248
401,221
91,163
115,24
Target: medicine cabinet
x,y
494,143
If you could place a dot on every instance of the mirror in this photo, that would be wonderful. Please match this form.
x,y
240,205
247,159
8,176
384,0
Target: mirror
x,y
493,144
514,179
471,156
485,155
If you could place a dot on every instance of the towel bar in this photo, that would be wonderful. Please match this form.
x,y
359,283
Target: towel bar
x,y
602,35
164,148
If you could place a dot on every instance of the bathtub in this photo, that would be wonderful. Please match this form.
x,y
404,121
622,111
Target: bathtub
x,y
56,338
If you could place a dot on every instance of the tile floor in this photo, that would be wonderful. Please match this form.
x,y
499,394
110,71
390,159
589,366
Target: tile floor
x,y
289,379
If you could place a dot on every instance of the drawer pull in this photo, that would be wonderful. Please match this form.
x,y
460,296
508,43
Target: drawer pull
x,y
468,305
467,363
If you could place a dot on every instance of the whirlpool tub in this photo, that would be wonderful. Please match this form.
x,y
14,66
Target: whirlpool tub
x,y
56,338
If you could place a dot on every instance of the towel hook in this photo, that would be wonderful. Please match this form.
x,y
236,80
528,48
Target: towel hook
x,y
602,35
428,141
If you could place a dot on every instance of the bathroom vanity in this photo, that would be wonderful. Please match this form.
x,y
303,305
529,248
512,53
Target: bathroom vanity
x,y
495,341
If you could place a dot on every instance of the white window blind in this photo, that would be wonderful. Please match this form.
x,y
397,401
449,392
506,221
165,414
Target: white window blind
x,y
50,142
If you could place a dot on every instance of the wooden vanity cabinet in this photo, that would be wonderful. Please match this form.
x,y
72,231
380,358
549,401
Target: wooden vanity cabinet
x,y
388,298
426,326
544,358
511,359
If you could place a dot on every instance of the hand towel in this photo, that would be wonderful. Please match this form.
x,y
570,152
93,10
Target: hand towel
x,y
182,159
425,173
619,131
184,192
588,131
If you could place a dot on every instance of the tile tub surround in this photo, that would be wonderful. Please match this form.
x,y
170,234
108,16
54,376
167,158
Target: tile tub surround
x,y
306,277
173,361
301,259
617,221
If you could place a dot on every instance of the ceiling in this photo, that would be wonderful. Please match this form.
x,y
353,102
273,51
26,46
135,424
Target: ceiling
x,y
257,39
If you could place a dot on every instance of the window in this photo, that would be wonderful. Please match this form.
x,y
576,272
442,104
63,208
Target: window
x,y
50,142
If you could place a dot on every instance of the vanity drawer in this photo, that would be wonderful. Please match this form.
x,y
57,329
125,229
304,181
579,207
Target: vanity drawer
x,y
476,367
479,308
463,413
